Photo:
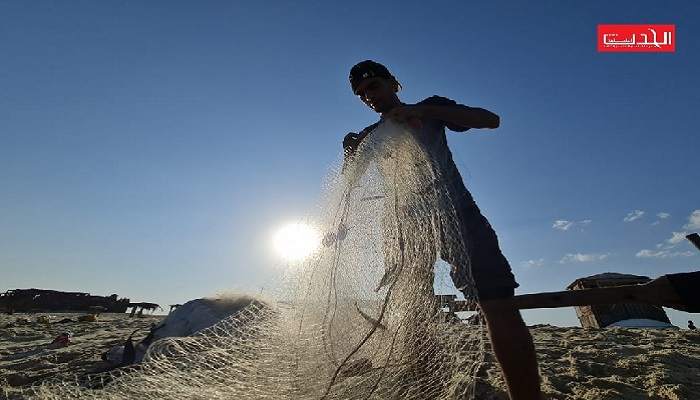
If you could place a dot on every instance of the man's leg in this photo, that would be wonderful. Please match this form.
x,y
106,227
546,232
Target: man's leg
x,y
515,352
479,253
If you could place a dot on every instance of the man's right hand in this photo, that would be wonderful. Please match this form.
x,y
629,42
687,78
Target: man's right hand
x,y
352,141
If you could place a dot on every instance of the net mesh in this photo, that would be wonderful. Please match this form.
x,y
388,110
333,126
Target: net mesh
x,y
356,320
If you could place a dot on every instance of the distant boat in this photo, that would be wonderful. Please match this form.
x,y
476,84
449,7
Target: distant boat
x,y
618,314
642,323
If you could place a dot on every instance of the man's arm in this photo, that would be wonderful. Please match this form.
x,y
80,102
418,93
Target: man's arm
x,y
456,114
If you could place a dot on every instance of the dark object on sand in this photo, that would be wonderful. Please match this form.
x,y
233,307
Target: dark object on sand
x,y
129,350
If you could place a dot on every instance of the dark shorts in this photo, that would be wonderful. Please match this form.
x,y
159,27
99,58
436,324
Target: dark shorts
x,y
490,270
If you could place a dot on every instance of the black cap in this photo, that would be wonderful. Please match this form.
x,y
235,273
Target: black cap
x,y
369,69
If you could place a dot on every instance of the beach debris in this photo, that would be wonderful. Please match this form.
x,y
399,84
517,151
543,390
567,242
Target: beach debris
x,y
62,340
87,318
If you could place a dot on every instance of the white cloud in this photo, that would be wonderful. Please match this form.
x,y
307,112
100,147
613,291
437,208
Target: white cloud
x,y
634,215
582,258
663,254
660,216
665,248
693,221
532,263
586,222
677,237
562,224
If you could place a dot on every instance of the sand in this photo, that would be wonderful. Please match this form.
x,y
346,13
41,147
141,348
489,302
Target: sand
x,y
615,363
575,363
26,356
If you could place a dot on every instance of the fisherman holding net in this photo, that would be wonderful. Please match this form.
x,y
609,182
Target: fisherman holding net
x,y
467,242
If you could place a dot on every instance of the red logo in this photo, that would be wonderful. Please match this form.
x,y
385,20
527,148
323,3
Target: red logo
x,y
637,38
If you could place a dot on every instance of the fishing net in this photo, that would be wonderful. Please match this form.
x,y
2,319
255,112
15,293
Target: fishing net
x,y
358,319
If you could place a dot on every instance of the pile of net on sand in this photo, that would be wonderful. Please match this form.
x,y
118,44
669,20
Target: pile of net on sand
x,y
356,320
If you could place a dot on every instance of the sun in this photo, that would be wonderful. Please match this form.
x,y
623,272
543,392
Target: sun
x,y
296,241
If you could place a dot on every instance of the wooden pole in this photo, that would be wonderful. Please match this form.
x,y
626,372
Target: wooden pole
x,y
694,239
656,292
679,294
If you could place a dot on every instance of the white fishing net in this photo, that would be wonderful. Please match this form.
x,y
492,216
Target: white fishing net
x,y
356,320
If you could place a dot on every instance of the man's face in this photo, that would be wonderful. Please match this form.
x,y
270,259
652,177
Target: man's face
x,y
378,94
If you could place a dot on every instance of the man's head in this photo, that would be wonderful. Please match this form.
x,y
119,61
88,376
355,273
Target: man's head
x,y
368,69
374,85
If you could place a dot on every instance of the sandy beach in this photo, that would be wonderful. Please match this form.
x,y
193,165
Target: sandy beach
x,y
27,357
575,363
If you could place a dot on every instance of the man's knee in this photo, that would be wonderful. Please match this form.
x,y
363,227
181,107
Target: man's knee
x,y
500,309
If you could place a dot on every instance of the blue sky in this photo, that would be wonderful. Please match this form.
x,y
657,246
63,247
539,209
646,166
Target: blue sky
x,y
152,149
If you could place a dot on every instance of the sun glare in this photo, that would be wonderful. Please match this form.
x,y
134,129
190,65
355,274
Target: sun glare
x,y
296,241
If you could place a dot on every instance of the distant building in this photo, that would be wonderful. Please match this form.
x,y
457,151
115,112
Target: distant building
x,y
601,316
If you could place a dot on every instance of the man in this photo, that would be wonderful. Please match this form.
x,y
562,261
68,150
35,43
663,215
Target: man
x,y
510,339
